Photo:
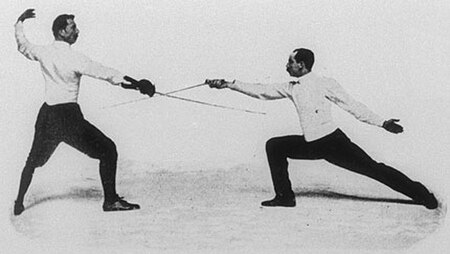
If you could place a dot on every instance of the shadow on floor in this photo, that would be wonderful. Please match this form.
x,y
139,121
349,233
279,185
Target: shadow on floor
x,y
74,193
336,195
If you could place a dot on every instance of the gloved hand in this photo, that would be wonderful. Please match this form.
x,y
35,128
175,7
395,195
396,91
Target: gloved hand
x,y
143,85
217,83
391,126
146,87
28,14
132,85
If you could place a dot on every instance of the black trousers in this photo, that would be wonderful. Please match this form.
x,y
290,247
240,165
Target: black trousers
x,y
337,149
65,123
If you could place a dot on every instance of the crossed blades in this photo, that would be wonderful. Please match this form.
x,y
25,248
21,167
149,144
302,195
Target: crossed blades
x,y
169,95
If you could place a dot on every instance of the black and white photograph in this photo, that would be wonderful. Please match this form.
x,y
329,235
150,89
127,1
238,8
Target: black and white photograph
x,y
236,126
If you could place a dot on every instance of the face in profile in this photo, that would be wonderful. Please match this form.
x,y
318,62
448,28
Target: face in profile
x,y
292,67
70,33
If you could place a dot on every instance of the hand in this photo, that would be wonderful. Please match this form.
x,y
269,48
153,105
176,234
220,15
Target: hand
x,y
217,83
391,126
29,13
132,85
146,87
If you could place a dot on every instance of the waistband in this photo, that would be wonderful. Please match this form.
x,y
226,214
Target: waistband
x,y
337,134
62,105
70,108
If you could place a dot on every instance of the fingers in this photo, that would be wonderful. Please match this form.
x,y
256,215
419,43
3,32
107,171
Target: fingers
x,y
397,129
129,86
390,121
146,87
391,126
29,13
216,83
130,79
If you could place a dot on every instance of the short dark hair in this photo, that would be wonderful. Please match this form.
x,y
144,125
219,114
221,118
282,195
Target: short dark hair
x,y
60,23
305,55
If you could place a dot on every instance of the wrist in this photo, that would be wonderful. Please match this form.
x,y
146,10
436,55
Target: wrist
x,y
230,84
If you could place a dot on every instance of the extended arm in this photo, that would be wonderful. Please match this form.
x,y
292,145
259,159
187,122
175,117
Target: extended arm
x,y
143,85
255,90
360,111
96,70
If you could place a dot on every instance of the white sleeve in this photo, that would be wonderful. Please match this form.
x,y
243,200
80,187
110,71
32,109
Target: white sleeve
x,y
263,91
27,49
340,97
97,70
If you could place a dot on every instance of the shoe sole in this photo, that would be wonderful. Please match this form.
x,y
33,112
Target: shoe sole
x,y
18,211
121,209
278,205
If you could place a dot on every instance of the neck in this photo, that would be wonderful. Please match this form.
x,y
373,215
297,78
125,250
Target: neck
x,y
303,72
61,39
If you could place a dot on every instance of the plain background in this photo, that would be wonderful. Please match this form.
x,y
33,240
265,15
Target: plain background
x,y
393,56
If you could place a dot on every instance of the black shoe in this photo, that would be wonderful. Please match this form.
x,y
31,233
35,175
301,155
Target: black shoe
x,y
429,201
119,205
277,201
18,208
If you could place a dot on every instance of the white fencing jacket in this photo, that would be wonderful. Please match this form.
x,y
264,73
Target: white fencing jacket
x,y
63,67
311,95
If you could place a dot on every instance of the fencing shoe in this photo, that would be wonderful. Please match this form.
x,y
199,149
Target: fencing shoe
x,y
18,208
278,201
119,205
425,197
429,201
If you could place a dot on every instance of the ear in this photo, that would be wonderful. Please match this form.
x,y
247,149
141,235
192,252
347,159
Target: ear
x,y
301,64
62,32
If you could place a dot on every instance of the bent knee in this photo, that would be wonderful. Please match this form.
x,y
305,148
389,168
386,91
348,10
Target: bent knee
x,y
273,145
109,151
34,162
104,151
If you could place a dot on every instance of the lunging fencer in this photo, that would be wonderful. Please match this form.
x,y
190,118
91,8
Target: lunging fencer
x,y
321,138
60,118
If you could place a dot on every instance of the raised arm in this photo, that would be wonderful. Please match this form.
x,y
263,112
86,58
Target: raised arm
x,y
29,50
27,14
255,90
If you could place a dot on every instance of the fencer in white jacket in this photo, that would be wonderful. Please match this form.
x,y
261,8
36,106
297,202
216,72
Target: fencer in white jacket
x,y
312,96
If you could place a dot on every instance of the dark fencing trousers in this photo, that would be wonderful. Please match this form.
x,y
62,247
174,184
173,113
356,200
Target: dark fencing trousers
x,y
337,149
65,123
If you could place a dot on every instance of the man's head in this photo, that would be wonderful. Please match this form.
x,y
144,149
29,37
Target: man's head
x,y
65,29
300,62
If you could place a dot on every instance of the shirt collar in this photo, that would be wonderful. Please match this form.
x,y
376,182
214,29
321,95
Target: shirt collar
x,y
303,78
306,76
61,44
